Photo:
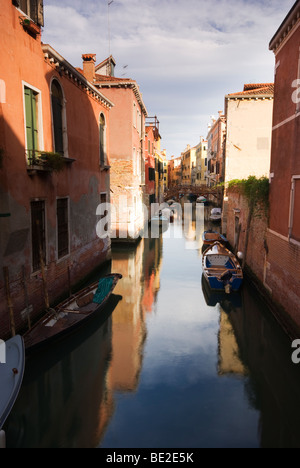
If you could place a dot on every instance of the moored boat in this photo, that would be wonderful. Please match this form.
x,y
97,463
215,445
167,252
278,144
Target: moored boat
x,y
159,220
71,314
210,237
216,215
12,365
221,269
201,199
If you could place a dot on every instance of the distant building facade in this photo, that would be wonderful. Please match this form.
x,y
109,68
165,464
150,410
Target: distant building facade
x,y
201,162
174,171
248,131
215,151
188,165
127,147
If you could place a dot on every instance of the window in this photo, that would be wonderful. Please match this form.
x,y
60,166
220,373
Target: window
x,y
103,200
102,129
294,224
31,117
151,199
151,174
62,227
134,114
38,234
33,9
57,117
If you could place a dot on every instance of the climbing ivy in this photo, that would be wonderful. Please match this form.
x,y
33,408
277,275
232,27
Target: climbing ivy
x,y
255,190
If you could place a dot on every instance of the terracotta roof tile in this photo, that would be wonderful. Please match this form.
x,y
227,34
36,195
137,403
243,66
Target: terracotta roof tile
x,y
255,89
112,79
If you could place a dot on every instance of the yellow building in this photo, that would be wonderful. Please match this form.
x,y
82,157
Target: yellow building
x,y
160,158
201,162
174,175
188,162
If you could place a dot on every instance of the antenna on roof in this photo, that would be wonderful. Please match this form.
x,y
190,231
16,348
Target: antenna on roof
x,y
124,68
109,2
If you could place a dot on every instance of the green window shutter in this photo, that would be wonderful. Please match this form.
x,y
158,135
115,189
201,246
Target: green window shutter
x,y
31,121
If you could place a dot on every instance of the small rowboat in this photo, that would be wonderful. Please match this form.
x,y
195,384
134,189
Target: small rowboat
x,y
221,269
12,365
216,215
71,314
210,237
159,220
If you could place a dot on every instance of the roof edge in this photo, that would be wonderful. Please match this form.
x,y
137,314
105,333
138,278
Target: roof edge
x,y
64,65
286,26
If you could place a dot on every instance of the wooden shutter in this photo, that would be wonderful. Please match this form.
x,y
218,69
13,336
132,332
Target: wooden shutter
x,y
31,121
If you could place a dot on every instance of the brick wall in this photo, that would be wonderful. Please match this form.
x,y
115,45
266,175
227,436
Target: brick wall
x,y
283,276
237,213
271,257
84,261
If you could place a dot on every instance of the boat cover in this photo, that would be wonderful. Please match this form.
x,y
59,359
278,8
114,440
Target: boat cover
x,y
104,288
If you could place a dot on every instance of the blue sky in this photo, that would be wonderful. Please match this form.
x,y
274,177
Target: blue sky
x,y
185,55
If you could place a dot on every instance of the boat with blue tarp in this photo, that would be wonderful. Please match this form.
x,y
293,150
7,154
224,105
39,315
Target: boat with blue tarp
x,y
221,269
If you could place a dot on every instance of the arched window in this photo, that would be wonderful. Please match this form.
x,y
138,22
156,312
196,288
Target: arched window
x,y
102,129
57,117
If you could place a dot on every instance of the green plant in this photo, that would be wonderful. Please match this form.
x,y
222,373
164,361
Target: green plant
x,y
255,190
54,161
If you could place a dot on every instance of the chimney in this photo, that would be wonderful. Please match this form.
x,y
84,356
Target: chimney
x,y
89,66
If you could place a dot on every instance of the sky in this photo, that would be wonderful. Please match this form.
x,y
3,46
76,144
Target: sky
x,y
185,55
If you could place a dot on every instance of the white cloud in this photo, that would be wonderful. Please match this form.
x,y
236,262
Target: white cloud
x,y
184,55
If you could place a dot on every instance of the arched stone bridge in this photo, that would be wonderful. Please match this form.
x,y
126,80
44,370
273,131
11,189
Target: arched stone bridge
x,y
192,190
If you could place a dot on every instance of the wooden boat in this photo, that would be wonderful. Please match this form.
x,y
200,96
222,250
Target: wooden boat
x,y
221,269
201,200
11,378
210,237
159,220
216,215
71,314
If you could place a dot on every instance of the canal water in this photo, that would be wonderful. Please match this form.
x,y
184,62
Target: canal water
x,y
169,365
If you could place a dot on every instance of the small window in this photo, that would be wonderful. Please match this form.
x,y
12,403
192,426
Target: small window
x,y
38,234
102,129
57,117
62,227
32,8
294,224
103,200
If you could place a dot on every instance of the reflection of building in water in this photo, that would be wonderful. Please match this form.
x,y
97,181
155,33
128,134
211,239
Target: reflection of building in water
x,y
152,266
229,361
140,266
70,380
129,330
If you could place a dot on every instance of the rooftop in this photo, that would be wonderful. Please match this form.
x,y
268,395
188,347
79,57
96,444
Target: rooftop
x,y
255,89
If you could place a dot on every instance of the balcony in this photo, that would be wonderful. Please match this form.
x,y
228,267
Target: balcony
x,y
45,162
30,26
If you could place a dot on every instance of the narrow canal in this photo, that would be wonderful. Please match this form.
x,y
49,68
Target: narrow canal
x,y
168,366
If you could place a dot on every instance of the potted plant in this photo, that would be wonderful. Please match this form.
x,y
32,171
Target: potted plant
x,y
53,161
